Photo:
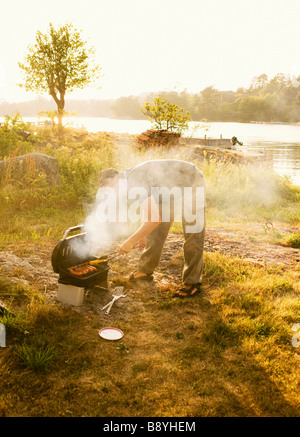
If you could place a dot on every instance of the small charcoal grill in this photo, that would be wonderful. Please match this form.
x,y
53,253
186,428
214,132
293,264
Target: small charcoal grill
x,y
74,251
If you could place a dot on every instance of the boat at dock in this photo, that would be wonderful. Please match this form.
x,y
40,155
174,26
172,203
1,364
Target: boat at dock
x,y
225,149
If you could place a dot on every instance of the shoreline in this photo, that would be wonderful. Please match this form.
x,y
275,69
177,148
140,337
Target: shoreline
x,y
278,122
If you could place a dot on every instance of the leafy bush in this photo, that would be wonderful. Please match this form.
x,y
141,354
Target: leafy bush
x,y
165,115
81,166
15,136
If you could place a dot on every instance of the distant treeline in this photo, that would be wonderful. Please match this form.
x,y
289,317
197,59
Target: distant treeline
x,y
83,108
277,99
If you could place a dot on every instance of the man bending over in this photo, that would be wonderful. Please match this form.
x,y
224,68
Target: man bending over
x,y
164,190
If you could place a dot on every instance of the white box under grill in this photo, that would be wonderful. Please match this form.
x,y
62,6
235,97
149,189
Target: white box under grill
x,y
70,294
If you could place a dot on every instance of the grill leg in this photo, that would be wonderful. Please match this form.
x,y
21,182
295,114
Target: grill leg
x,y
102,286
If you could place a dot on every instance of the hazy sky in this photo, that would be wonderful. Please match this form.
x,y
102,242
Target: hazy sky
x,y
154,45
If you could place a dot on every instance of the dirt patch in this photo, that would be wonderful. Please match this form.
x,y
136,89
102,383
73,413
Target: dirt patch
x,y
252,243
32,265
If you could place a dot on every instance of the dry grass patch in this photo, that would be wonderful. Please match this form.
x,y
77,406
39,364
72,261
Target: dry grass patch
x,y
227,352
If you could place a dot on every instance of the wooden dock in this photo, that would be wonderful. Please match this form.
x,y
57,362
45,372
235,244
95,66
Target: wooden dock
x,y
233,156
224,149
225,143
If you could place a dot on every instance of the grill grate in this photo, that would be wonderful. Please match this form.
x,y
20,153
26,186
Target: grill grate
x,y
67,254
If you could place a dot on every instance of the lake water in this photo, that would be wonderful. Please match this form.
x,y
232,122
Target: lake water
x,y
282,140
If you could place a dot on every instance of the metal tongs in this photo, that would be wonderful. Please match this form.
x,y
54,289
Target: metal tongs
x,y
115,297
99,261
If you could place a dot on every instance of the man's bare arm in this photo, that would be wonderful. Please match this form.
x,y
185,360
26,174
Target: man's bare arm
x,y
150,221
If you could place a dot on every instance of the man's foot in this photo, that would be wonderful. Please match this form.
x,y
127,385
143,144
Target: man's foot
x,y
140,276
188,291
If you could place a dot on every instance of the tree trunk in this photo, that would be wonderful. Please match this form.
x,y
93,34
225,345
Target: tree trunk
x,y
60,110
60,115
60,107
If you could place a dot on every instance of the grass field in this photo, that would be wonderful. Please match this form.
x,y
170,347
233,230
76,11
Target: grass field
x,y
227,352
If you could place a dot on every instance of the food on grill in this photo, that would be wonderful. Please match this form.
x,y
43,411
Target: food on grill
x,y
82,269
76,272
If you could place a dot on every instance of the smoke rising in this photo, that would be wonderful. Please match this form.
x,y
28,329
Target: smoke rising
x,y
232,189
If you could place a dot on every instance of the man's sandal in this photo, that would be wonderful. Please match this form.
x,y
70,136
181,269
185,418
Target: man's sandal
x,y
146,277
182,293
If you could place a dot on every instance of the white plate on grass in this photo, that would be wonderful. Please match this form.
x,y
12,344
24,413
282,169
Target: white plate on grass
x,y
111,333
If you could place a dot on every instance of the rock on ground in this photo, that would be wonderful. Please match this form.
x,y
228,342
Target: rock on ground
x,y
32,162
